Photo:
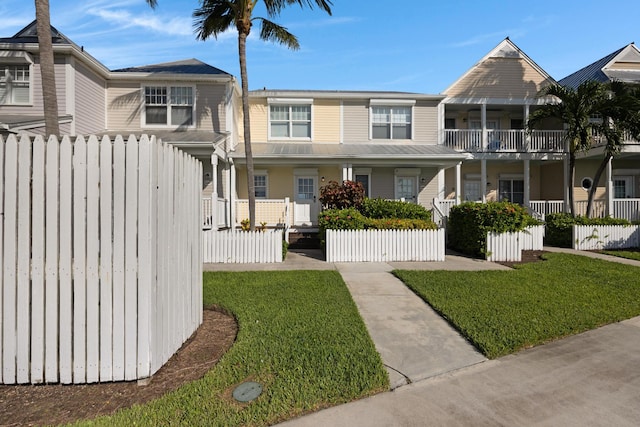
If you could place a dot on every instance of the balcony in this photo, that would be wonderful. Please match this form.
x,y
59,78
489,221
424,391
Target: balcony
x,y
504,141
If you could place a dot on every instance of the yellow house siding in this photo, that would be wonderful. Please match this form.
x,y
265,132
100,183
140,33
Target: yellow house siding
x,y
259,113
326,121
124,104
356,121
625,66
500,78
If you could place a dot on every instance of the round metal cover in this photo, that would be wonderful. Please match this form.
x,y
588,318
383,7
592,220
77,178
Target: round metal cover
x,y
248,391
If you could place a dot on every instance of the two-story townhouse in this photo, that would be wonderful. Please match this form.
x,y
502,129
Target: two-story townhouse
x,y
301,140
623,172
188,103
484,114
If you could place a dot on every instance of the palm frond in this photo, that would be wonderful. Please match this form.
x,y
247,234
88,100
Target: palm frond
x,y
214,17
270,31
274,7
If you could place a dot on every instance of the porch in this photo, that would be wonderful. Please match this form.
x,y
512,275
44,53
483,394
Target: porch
x,y
504,140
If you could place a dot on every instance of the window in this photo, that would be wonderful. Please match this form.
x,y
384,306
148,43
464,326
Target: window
x,y
260,184
364,180
622,187
290,121
14,84
511,190
449,123
390,122
168,106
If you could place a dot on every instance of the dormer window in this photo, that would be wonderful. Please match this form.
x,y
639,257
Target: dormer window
x,y
15,84
168,106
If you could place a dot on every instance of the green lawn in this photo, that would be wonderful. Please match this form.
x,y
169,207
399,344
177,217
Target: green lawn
x,y
504,311
300,336
631,254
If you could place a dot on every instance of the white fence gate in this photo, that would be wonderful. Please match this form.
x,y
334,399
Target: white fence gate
x,y
595,237
385,245
509,246
100,261
234,246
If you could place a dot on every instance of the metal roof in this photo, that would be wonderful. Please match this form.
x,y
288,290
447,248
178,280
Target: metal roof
x,y
29,34
590,72
311,151
187,66
341,94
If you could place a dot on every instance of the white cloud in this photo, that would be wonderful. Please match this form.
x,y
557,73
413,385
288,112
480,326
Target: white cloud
x,y
178,26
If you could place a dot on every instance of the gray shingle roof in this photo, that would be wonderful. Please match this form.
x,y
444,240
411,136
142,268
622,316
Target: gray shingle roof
x,y
590,72
187,66
29,34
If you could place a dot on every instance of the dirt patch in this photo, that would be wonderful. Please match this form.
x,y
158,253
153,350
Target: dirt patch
x,y
56,404
527,257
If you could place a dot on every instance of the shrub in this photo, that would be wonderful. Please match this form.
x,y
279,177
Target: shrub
x,y
341,196
470,222
559,227
399,224
380,208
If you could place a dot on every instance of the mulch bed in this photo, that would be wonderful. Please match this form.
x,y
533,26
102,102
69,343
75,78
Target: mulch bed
x,y
527,257
56,404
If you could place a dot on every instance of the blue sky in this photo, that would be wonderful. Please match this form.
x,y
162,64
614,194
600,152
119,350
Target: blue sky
x,y
414,46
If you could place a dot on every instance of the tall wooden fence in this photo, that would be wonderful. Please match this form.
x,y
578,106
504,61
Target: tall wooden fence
x,y
100,261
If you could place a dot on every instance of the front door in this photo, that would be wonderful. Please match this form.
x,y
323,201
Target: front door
x,y
306,206
406,188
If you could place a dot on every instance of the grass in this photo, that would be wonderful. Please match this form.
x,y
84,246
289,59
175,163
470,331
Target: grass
x,y
300,336
501,312
631,254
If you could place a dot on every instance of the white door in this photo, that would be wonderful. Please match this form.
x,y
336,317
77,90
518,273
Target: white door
x,y
622,187
406,187
306,204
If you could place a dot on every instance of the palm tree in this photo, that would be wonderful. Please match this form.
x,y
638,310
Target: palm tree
x,y
215,17
47,71
576,109
620,117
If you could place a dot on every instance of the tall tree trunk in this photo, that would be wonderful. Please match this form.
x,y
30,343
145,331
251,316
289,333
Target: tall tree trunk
x,y
572,182
596,181
47,71
242,44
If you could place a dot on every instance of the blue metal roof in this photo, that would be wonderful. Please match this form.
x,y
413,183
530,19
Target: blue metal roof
x,y
187,66
590,72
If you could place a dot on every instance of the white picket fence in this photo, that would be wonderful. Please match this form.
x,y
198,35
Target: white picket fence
x,y
101,278
235,246
384,245
509,246
595,237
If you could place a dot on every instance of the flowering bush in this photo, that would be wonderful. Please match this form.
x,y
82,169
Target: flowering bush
x,y
341,196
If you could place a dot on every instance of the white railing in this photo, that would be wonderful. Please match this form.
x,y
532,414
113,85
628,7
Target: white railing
x,y
207,213
546,141
385,245
595,237
506,140
463,140
509,246
509,140
273,212
223,213
444,206
235,246
101,278
628,209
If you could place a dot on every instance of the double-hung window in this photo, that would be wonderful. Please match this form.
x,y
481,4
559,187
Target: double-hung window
x,y
290,121
260,182
391,121
511,189
168,105
14,84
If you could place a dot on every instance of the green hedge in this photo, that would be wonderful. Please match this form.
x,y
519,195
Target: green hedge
x,y
470,222
558,227
399,224
380,208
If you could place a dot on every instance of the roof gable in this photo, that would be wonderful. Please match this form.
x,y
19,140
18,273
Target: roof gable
x,y
505,72
29,34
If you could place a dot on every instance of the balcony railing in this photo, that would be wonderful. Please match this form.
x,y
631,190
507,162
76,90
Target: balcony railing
x,y
509,140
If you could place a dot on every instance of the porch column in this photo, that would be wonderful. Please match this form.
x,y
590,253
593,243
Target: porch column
x,y
483,180
527,182
442,188
214,193
232,195
609,189
458,180
347,172
527,137
483,119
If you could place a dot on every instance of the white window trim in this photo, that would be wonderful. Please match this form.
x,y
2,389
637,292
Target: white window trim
x,y
17,61
265,173
289,102
391,103
168,85
367,172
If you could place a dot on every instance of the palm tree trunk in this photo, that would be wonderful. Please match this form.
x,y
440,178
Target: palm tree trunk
x,y
596,181
47,71
242,44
